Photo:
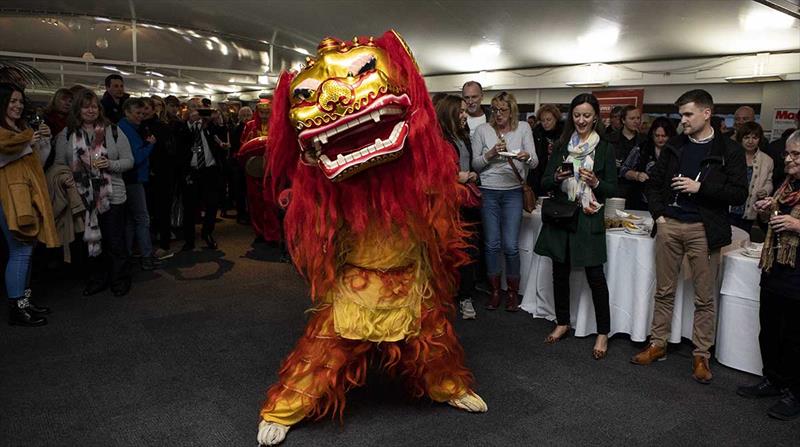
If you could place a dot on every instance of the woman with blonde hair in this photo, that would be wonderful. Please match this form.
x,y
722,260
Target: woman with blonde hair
x,y
503,151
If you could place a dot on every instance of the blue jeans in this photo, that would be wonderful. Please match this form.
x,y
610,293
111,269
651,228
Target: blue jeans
x,y
19,261
501,212
138,220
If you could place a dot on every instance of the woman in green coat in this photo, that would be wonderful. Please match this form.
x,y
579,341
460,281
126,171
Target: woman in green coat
x,y
593,178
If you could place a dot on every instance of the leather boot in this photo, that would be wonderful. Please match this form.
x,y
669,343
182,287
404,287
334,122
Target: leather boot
x,y
494,299
33,308
19,314
512,283
701,372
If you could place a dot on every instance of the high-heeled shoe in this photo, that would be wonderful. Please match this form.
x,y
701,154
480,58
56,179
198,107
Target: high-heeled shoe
x,y
550,339
600,354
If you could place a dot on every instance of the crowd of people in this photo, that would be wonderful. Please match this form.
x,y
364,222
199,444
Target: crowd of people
x,y
119,177
115,179
695,178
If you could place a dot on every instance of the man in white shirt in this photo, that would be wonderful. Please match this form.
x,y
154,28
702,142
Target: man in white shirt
x,y
472,92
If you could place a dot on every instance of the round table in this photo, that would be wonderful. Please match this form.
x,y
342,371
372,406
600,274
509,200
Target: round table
x,y
631,276
737,314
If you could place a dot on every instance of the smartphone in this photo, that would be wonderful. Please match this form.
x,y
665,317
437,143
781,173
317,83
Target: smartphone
x,y
567,166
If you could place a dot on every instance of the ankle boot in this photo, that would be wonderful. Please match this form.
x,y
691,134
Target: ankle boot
x,y
33,308
19,314
512,283
494,299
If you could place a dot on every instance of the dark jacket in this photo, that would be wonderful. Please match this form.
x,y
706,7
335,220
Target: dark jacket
x,y
587,246
185,142
111,109
542,140
162,159
723,183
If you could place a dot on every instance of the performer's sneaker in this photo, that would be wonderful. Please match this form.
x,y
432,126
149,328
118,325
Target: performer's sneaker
x,y
271,433
467,309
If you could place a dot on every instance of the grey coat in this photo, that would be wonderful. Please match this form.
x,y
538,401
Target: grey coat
x,y
119,156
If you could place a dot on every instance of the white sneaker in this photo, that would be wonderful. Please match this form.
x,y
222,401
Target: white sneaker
x,y
467,309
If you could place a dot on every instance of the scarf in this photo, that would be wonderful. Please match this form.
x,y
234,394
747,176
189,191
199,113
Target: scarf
x,y
787,241
93,185
581,156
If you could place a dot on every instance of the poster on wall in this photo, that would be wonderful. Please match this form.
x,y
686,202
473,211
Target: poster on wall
x,y
609,99
783,119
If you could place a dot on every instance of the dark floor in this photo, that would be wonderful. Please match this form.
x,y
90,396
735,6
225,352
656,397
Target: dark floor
x,y
184,360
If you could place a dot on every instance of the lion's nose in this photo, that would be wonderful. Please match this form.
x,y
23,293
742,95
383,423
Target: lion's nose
x,y
334,92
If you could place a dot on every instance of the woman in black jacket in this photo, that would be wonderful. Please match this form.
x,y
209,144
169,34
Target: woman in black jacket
x,y
545,133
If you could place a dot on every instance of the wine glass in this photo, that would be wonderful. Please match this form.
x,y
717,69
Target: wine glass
x,y
675,200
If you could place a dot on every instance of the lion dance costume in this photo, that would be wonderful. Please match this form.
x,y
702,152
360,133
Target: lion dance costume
x,y
373,225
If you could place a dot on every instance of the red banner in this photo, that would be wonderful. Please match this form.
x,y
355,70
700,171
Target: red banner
x,y
610,98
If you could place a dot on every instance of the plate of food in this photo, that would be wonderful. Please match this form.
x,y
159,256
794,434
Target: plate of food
x,y
632,228
751,253
507,154
629,217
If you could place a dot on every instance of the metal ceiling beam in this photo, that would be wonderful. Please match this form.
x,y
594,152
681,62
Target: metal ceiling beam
x,y
792,10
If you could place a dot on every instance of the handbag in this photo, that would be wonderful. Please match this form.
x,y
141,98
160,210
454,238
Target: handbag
x,y
472,197
560,214
528,196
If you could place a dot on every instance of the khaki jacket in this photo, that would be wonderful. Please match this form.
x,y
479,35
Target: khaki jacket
x,y
760,183
68,207
23,192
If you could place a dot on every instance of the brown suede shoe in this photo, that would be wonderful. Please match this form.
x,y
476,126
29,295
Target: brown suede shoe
x,y
649,355
701,372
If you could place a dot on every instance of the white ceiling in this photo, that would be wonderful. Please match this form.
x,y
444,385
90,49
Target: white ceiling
x,y
529,33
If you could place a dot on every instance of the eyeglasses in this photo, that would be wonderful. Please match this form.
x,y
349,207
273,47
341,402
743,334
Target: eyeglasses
x,y
794,155
500,110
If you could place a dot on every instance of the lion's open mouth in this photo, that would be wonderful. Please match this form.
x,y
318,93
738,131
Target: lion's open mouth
x,y
372,136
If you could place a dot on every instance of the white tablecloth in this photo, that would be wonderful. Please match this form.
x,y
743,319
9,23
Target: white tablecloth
x,y
631,276
738,327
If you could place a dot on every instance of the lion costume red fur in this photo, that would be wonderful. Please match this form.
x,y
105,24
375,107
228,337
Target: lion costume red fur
x,y
373,225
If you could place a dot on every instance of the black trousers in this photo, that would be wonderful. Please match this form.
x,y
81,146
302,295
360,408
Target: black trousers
x,y
469,273
780,339
598,285
160,192
239,189
203,187
111,265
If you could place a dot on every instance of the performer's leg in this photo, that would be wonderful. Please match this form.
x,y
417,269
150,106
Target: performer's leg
x,y
314,377
434,361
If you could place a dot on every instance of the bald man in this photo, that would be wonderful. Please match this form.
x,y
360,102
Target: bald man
x,y
743,115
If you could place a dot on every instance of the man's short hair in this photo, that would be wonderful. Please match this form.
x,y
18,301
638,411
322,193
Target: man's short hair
x,y
616,110
623,113
172,100
206,102
793,140
475,83
111,77
132,103
698,96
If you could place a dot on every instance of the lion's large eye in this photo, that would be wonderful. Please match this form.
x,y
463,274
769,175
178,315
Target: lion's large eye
x,y
370,65
302,94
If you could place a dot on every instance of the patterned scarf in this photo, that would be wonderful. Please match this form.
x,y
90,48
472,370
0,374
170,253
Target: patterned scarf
x,y
581,156
787,241
93,185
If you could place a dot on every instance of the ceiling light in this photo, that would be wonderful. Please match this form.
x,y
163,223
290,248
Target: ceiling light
x,y
302,51
484,50
223,49
87,56
110,68
761,18
154,73
603,36
102,19
263,80
755,78
209,45
587,84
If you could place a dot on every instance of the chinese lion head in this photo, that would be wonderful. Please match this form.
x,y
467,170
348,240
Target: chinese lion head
x,y
356,134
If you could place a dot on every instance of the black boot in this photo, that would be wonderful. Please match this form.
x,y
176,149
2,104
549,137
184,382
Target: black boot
x,y
19,314
33,308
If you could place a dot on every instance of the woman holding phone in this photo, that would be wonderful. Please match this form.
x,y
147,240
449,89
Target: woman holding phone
x,y
25,211
502,153
581,172
98,153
